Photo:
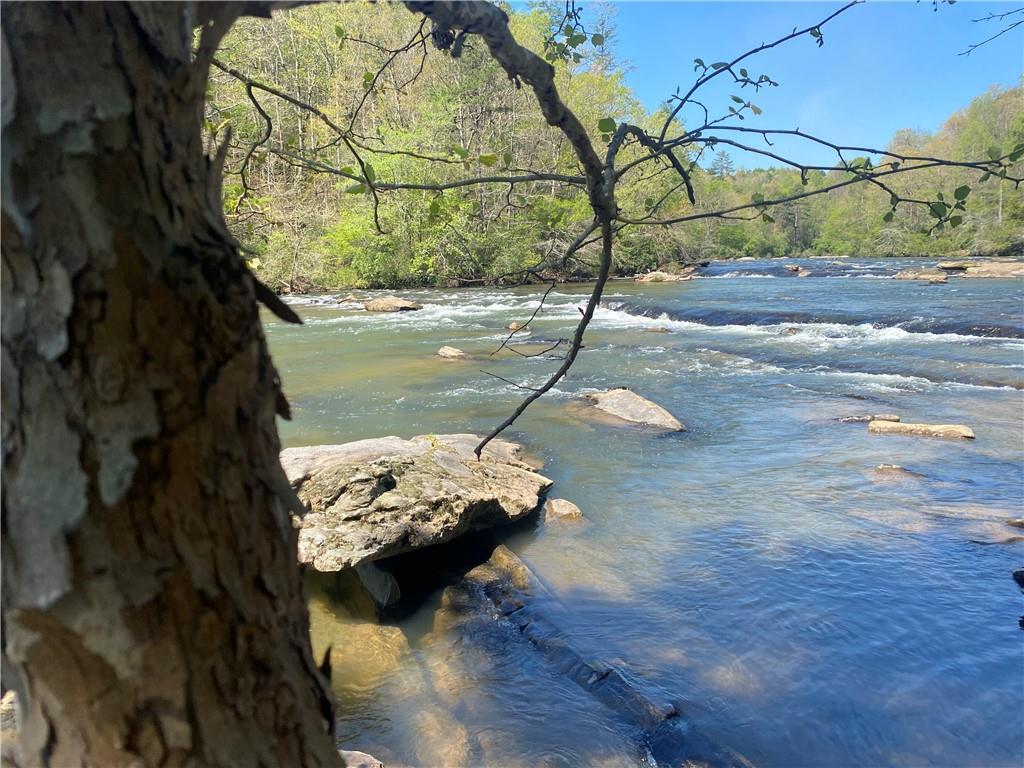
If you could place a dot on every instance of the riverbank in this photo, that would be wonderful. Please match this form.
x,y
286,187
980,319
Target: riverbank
x,y
303,286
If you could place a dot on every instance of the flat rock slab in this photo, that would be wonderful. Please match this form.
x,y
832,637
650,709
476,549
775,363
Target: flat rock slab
x,y
391,304
629,406
936,275
377,498
922,430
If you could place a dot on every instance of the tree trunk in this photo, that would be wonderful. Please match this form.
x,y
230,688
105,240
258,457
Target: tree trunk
x,y
153,608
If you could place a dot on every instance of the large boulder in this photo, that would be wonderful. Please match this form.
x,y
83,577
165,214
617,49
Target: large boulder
x,y
391,304
381,497
922,430
629,406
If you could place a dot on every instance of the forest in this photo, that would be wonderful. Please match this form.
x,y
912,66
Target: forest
x,y
425,121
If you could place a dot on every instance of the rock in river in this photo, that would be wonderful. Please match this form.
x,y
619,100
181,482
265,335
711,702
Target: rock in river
x,y
629,406
932,275
561,510
381,497
451,353
923,430
391,304
866,418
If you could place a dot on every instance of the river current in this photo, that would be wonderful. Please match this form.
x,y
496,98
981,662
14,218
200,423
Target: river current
x,y
809,609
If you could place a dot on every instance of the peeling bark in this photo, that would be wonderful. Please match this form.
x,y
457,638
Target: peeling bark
x,y
152,605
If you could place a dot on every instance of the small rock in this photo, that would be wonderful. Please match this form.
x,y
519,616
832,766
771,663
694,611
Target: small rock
x,y
922,430
514,326
1018,576
561,510
391,304
791,331
353,759
629,406
869,418
1016,522
803,272
792,267
452,353
657,329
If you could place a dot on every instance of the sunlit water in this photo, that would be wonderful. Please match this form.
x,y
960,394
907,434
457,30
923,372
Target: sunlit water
x,y
811,610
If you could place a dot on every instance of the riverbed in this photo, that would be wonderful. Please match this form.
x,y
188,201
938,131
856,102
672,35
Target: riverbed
x,y
808,608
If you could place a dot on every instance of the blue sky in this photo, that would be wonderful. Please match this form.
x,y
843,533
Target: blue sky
x,y
884,65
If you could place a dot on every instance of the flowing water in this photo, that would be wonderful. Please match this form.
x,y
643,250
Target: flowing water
x,y
809,609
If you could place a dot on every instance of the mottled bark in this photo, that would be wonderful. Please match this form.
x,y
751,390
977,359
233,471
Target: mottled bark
x,y
152,604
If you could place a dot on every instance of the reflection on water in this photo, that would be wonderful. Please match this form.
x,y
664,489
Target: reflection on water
x,y
809,608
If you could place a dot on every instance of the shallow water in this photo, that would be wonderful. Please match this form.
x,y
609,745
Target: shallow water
x,y
810,610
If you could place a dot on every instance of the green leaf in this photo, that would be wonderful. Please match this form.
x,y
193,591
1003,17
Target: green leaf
x,y
994,153
985,177
367,80
338,31
460,151
720,65
743,72
649,203
348,170
757,198
888,216
597,39
253,263
894,200
961,193
488,160
767,219
737,99
938,210
507,159
371,175
699,63
606,124
955,221
356,189
435,208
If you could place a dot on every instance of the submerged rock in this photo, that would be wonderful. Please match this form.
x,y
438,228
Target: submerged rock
x,y
865,418
353,759
672,736
391,304
451,353
629,406
561,510
381,497
793,267
922,430
514,326
1018,576
803,272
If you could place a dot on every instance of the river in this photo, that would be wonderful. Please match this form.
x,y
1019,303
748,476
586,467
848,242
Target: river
x,y
808,608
